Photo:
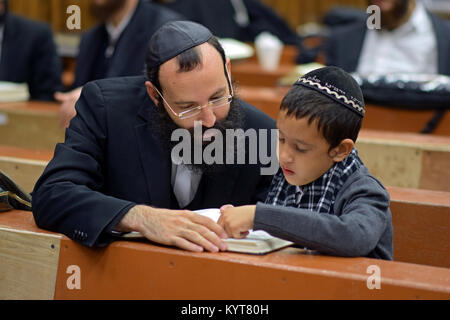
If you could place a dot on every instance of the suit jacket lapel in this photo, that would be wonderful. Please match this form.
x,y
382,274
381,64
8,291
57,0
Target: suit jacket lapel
x,y
353,53
88,54
155,159
129,43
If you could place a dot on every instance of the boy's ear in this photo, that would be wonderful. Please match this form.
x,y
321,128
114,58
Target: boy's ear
x,y
151,91
342,150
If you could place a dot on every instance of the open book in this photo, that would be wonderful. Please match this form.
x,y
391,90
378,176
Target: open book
x,y
256,242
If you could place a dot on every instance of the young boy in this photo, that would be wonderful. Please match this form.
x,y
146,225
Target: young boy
x,y
323,197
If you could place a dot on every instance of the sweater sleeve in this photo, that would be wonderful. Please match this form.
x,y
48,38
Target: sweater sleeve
x,y
356,227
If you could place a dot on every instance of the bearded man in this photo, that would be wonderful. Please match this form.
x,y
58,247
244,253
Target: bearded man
x,y
115,171
115,47
410,40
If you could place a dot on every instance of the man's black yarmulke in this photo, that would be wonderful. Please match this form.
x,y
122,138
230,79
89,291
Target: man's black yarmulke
x,y
173,38
336,84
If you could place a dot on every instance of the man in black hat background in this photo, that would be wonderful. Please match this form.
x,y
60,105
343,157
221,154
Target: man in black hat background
x,y
28,55
115,47
114,171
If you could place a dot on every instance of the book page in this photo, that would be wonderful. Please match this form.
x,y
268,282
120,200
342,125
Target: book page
x,y
214,214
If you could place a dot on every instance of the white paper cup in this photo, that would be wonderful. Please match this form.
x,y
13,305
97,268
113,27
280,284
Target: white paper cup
x,y
269,57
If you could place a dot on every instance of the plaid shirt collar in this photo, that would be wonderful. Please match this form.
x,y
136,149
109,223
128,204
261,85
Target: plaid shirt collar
x,y
318,195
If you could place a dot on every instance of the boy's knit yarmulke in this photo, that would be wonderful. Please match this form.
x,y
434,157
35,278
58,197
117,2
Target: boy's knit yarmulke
x,y
336,84
174,38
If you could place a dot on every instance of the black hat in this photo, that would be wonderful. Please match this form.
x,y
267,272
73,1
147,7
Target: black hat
x,y
174,38
336,84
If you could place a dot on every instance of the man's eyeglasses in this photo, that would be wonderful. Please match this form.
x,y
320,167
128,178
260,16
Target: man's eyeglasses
x,y
191,112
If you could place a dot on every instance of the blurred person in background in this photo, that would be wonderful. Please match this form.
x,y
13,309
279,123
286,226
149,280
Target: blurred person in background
x,y
242,20
410,40
115,47
28,55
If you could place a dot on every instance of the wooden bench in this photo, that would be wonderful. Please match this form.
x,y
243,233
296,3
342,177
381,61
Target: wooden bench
x,y
37,264
406,159
268,99
421,222
30,125
22,165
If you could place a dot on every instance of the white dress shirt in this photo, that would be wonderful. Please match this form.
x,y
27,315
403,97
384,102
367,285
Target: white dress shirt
x,y
185,183
241,14
410,48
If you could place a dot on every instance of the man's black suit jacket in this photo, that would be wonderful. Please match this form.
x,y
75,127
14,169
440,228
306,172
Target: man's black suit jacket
x,y
29,56
111,160
344,44
129,53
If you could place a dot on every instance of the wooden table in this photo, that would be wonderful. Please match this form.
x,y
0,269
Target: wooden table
x,y
36,264
24,166
248,72
30,124
421,221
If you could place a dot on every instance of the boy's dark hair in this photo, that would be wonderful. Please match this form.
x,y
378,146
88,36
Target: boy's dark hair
x,y
187,61
334,121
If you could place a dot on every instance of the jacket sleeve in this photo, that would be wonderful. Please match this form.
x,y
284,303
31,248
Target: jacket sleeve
x,y
68,197
354,231
264,18
330,50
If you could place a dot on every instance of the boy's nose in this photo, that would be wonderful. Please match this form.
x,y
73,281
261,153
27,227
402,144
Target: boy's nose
x,y
285,155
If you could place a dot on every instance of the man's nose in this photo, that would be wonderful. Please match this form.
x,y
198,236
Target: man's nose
x,y
208,117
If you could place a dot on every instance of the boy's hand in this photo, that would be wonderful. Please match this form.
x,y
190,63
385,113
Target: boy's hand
x,y
237,220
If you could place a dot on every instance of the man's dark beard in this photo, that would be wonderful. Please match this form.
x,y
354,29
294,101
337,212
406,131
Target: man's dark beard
x,y
391,20
163,126
105,11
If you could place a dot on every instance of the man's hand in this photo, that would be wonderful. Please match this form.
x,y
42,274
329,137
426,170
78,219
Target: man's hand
x,y
237,221
68,100
181,228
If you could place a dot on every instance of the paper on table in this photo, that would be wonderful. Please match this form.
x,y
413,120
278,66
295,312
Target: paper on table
x,y
13,92
235,49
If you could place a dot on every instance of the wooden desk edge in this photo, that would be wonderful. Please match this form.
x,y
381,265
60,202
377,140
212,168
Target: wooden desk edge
x,y
401,277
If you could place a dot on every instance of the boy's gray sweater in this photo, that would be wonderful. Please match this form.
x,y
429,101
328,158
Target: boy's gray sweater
x,y
360,226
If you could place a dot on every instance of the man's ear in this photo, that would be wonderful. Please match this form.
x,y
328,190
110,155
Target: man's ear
x,y
151,91
342,150
228,65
